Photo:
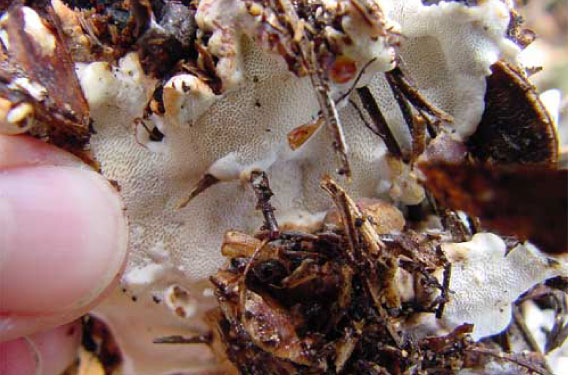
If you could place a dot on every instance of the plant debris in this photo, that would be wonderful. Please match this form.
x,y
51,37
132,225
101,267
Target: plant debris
x,y
100,344
346,297
39,91
332,302
527,202
515,127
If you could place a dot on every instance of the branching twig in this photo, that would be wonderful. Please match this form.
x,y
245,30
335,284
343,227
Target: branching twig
x,y
327,104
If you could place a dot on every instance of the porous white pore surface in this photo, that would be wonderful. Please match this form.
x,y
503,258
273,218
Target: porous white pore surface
x,y
486,280
447,48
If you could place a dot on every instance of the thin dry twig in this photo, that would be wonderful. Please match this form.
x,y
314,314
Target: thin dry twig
x,y
381,127
528,337
326,102
177,339
261,187
510,358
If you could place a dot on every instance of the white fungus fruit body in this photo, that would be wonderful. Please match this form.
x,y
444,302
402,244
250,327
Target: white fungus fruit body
x,y
240,123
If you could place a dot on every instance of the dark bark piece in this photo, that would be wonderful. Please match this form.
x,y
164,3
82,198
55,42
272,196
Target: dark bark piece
x,y
515,127
526,202
63,110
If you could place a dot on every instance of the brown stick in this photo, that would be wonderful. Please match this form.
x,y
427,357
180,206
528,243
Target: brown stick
x,y
261,187
381,126
176,339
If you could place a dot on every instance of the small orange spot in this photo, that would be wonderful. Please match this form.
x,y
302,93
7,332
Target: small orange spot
x,y
343,69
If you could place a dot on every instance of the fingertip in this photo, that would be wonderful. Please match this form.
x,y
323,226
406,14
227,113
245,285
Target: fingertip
x,y
64,240
23,151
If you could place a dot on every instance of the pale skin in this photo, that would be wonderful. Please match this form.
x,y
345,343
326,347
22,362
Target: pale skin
x,y
63,245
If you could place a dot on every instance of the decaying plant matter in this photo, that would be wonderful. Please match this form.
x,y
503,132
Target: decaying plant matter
x,y
341,301
448,154
320,303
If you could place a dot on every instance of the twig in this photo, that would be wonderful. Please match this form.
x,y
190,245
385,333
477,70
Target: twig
x,y
528,337
382,128
326,103
331,117
253,257
510,358
407,96
261,187
410,92
301,134
206,338
402,102
340,199
445,284
559,331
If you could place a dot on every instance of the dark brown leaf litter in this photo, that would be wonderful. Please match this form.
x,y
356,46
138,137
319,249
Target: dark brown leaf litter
x,y
331,302
97,339
515,127
37,73
161,32
527,202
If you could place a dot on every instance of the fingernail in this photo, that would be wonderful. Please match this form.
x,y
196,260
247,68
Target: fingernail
x,y
63,239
